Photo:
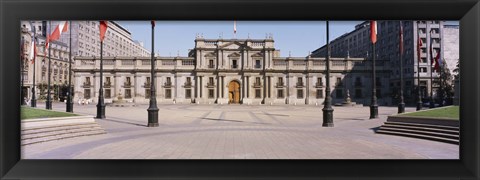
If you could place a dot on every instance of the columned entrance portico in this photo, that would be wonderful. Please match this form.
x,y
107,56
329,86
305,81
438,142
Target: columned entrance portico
x,y
234,92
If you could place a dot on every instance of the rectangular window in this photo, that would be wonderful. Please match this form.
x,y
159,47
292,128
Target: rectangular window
x,y
148,80
87,80
280,81
358,93
319,81
319,93
299,93
300,80
147,93
234,64
168,93
189,80
86,93
128,93
257,64
257,80
128,80
108,93
258,93
210,63
339,93
188,93
169,80
339,81
280,93
210,93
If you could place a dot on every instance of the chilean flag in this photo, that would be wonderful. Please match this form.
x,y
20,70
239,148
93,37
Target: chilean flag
x,y
33,52
61,28
373,31
438,62
103,29
419,46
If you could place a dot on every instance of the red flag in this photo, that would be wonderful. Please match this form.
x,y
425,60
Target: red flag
x,y
419,46
153,23
437,60
373,31
431,49
62,27
401,38
103,29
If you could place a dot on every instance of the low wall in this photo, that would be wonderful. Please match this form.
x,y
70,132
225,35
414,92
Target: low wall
x,y
40,122
424,120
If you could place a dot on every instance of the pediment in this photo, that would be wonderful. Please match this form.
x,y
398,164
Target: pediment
x,y
235,54
257,55
232,45
212,54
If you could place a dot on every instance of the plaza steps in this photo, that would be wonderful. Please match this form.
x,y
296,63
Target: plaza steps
x,y
441,133
40,134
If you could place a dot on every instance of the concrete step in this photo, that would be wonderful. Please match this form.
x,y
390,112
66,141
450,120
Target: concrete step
x,y
423,125
60,132
45,129
62,136
420,132
420,136
437,130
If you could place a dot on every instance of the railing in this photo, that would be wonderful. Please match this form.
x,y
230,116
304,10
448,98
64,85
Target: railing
x,y
257,84
299,63
319,84
127,84
299,84
128,62
258,44
188,63
337,63
167,84
279,63
107,84
257,66
280,84
210,84
146,62
86,84
108,62
318,63
234,66
210,43
188,84
211,66
169,63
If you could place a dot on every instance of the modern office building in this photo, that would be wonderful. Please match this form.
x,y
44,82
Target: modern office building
x,y
433,34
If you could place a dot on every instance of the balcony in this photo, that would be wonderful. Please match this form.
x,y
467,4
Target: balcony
x,y
299,84
358,84
319,84
167,84
87,84
127,84
257,84
210,84
234,66
188,84
280,84
257,66
147,84
107,84
211,66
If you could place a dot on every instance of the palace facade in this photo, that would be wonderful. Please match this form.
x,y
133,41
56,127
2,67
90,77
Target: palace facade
x,y
221,71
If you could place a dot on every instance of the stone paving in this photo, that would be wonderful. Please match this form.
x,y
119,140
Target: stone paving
x,y
195,131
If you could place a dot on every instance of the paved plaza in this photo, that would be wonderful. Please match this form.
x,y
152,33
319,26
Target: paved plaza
x,y
192,131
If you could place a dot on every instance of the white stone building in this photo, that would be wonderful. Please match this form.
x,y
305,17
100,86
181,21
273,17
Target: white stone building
x,y
246,71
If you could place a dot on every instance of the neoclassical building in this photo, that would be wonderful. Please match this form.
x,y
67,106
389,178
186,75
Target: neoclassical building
x,y
223,71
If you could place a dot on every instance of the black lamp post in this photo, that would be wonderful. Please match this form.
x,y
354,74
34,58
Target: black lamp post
x,y
69,96
327,108
373,105
101,103
401,105
48,104
152,109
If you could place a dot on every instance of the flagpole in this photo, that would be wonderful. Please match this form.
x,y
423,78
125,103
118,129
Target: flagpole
x,y
327,108
33,102
419,101
401,105
101,104
22,58
440,69
69,96
373,105
432,104
48,104
152,109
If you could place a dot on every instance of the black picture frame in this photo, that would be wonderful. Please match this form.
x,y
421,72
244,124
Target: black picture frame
x,y
12,12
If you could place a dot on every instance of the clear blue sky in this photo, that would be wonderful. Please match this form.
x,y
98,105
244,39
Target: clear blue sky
x,y
297,37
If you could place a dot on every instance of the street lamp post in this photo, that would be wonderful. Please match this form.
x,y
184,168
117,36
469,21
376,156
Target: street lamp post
x,y
152,109
401,105
327,108
101,103
419,44
48,104
22,57
432,104
69,95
